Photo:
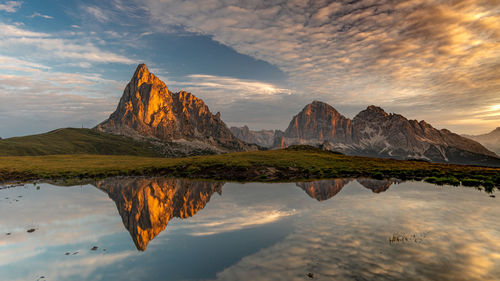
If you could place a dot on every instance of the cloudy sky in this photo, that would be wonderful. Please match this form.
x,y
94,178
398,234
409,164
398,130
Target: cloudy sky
x,y
66,62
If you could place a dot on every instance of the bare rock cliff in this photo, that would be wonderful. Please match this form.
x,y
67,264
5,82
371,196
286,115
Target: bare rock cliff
x,y
147,109
374,132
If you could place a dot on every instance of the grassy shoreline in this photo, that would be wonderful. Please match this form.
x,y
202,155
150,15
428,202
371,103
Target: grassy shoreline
x,y
265,166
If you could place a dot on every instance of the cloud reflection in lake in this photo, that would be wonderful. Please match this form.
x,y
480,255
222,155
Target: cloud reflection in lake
x,y
184,230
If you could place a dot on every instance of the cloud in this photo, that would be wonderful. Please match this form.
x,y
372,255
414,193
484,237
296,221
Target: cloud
x,y
353,53
346,238
241,101
226,90
37,96
10,63
240,220
147,33
44,45
97,13
38,99
36,14
59,229
10,6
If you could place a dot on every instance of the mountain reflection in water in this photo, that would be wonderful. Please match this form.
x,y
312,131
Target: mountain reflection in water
x,y
325,189
363,229
146,205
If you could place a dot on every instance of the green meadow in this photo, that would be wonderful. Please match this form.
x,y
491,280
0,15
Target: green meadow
x,y
292,164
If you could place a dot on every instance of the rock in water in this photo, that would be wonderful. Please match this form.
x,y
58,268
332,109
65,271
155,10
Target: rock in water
x,y
148,109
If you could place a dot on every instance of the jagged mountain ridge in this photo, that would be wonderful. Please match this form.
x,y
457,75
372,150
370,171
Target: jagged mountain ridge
x,y
147,109
146,205
374,132
490,140
263,138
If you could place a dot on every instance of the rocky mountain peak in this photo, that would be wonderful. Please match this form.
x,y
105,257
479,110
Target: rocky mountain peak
x,y
372,113
143,76
374,132
147,109
319,121
316,107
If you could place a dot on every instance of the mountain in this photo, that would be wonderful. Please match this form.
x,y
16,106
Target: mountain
x,y
490,140
373,132
318,122
75,141
148,110
147,205
264,138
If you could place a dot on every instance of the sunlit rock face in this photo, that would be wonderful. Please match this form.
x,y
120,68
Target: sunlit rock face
x,y
148,109
373,132
318,122
323,189
375,185
147,205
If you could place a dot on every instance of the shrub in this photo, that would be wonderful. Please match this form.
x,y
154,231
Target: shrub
x,y
471,182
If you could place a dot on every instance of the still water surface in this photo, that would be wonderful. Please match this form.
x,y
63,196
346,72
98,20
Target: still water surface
x,y
173,229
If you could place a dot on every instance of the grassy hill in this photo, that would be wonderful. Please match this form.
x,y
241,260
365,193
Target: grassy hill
x,y
74,141
274,165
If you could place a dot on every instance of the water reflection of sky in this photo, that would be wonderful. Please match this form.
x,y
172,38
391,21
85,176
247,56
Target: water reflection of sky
x,y
258,232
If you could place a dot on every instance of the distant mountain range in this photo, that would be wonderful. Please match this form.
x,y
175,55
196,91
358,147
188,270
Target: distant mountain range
x,y
373,132
490,140
263,138
152,120
147,205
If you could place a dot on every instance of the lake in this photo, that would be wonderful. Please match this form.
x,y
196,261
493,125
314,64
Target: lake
x,y
175,229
